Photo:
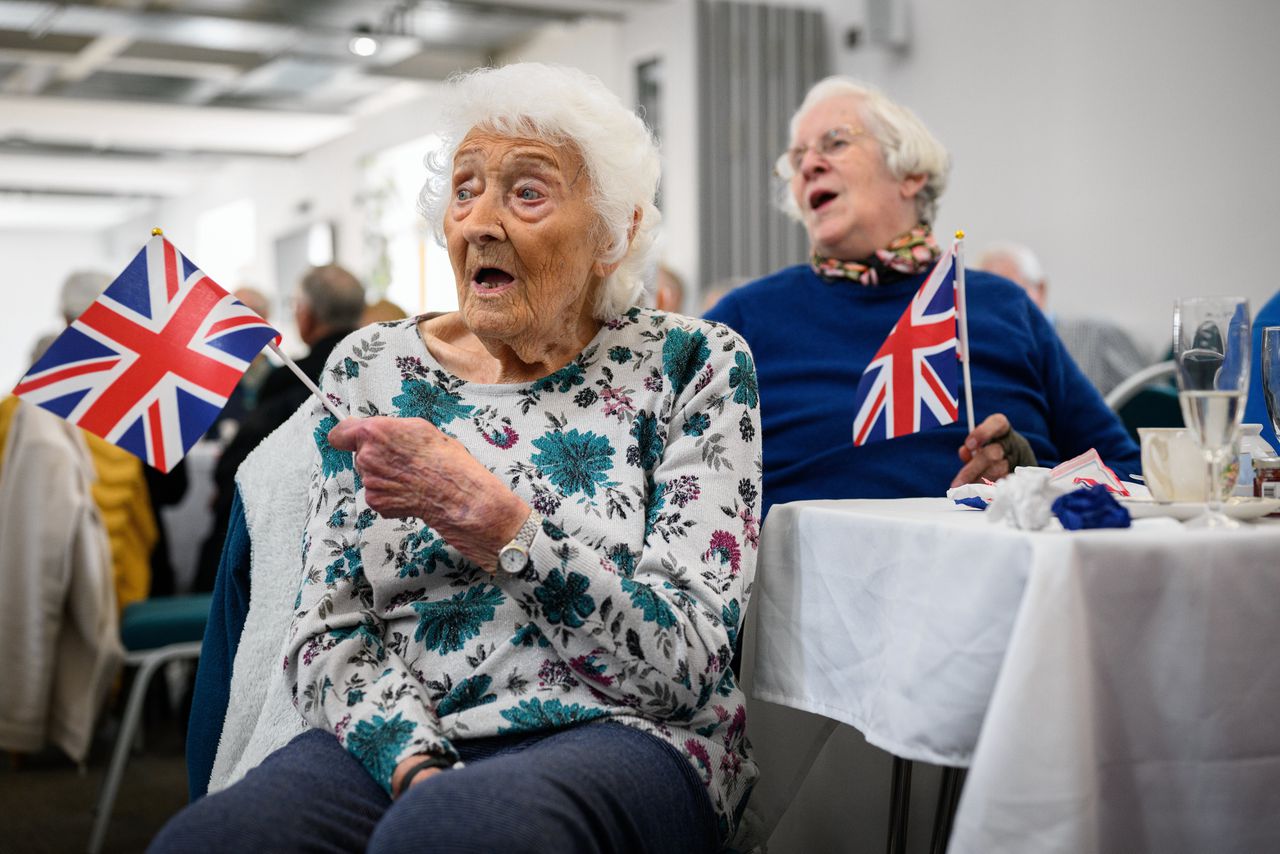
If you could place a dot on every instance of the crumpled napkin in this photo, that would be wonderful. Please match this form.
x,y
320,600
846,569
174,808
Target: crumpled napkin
x,y
1024,499
1090,507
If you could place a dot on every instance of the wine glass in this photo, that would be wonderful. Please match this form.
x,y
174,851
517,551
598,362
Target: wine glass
x,y
1211,350
1271,374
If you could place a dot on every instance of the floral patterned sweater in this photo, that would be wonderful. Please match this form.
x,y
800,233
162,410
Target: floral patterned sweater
x,y
643,455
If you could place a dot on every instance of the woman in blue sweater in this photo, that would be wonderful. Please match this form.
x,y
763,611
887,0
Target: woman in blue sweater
x,y
864,176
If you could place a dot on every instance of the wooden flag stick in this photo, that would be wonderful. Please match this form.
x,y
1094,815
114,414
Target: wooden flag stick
x,y
962,312
306,380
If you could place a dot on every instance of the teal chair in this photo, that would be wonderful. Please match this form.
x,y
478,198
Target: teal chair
x,y
154,632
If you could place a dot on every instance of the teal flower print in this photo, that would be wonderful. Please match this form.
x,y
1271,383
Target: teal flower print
x,y
683,355
731,614
447,626
535,714
351,366
467,694
647,450
696,424
654,502
349,565
421,550
562,380
651,605
742,379
621,355
528,635
377,744
624,559
332,461
565,600
575,462
420,399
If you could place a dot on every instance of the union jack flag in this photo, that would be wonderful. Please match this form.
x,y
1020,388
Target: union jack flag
x,y
151,363
911,383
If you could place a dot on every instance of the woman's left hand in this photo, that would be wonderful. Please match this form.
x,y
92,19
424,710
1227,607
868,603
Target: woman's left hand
x,y
410,468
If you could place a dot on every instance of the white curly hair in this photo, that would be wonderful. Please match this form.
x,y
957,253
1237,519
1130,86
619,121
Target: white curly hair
x,y
562,105
908,146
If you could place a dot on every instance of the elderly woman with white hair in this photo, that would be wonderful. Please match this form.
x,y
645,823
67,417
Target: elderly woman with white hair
x,y
864,176
530,549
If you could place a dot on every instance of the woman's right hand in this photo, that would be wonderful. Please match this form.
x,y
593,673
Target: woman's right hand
x,y
409,468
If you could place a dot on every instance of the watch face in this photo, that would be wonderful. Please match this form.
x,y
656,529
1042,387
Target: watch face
x,y
513,559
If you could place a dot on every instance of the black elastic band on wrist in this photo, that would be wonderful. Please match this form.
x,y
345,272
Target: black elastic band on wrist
x,y
426,764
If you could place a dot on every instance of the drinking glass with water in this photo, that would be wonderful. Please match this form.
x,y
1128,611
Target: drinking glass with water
x,y
1211,349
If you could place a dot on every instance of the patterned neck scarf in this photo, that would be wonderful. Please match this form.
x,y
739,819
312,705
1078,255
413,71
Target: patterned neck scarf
x,y
907,255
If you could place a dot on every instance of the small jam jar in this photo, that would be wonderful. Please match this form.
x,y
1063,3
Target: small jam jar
x,y
1266,477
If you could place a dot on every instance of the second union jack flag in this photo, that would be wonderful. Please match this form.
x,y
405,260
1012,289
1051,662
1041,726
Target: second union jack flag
x,y
151,363
911,383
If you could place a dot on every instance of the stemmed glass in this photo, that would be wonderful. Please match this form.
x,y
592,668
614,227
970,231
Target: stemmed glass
x,y
1271,373
1211,349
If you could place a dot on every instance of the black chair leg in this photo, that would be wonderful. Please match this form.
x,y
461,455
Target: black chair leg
x,y
945,813
899,805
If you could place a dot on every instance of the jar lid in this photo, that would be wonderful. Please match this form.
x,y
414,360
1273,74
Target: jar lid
x,y
1266,462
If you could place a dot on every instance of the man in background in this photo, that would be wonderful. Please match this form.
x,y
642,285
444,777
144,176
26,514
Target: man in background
x,y
1105,353
328,306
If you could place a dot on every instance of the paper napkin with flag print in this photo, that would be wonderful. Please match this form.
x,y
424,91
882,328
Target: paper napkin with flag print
x,y
911,383
150,364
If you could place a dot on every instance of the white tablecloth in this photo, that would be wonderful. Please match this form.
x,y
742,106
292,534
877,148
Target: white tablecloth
x,y
1114,690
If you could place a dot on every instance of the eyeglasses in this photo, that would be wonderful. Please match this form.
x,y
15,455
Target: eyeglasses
x,y
833,143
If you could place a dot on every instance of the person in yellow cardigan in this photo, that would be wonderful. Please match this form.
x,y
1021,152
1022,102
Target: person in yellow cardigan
x,y
120,489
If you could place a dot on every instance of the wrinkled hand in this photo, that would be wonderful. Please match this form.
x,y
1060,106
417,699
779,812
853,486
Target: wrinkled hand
x,y
991,451
411,469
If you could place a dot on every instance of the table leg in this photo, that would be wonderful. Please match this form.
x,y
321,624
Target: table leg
x,y
899,805
945,813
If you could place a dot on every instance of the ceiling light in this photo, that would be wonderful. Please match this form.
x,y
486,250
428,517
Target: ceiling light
x,y
363,43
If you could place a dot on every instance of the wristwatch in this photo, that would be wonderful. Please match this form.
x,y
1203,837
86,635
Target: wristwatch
x,y
514,556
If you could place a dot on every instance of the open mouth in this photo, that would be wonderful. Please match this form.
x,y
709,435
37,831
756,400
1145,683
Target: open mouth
x,y
492,278
820,198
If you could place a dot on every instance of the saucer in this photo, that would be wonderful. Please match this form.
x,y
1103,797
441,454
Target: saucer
x,y
1236,507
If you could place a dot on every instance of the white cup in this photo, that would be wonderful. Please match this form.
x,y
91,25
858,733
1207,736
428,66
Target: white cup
x,y
1173,465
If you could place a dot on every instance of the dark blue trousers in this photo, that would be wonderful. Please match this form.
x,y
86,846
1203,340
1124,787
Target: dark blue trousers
x,y
599,787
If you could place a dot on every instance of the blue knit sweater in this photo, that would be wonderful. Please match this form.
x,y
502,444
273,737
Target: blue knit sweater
x,y
812,338
1255,407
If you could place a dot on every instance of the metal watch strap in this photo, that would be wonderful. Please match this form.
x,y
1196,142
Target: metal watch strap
x,y
528,530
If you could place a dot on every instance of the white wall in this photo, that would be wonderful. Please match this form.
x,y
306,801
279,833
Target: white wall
x,y
1129,142
35,264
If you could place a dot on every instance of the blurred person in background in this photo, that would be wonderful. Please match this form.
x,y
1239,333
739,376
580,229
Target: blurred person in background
x,y
1255,411
328,305
668,291
382,311
1104,352
59,627
864,176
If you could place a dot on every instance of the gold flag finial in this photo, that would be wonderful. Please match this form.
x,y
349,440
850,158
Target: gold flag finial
x,y
156,232
959,234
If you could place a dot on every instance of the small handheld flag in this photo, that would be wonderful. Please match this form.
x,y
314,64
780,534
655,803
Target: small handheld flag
x,y
911,383
150,364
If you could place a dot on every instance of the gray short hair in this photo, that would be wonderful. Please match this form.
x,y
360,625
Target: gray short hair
x,y
1022,258
334,296
562,105
908,146
79,290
